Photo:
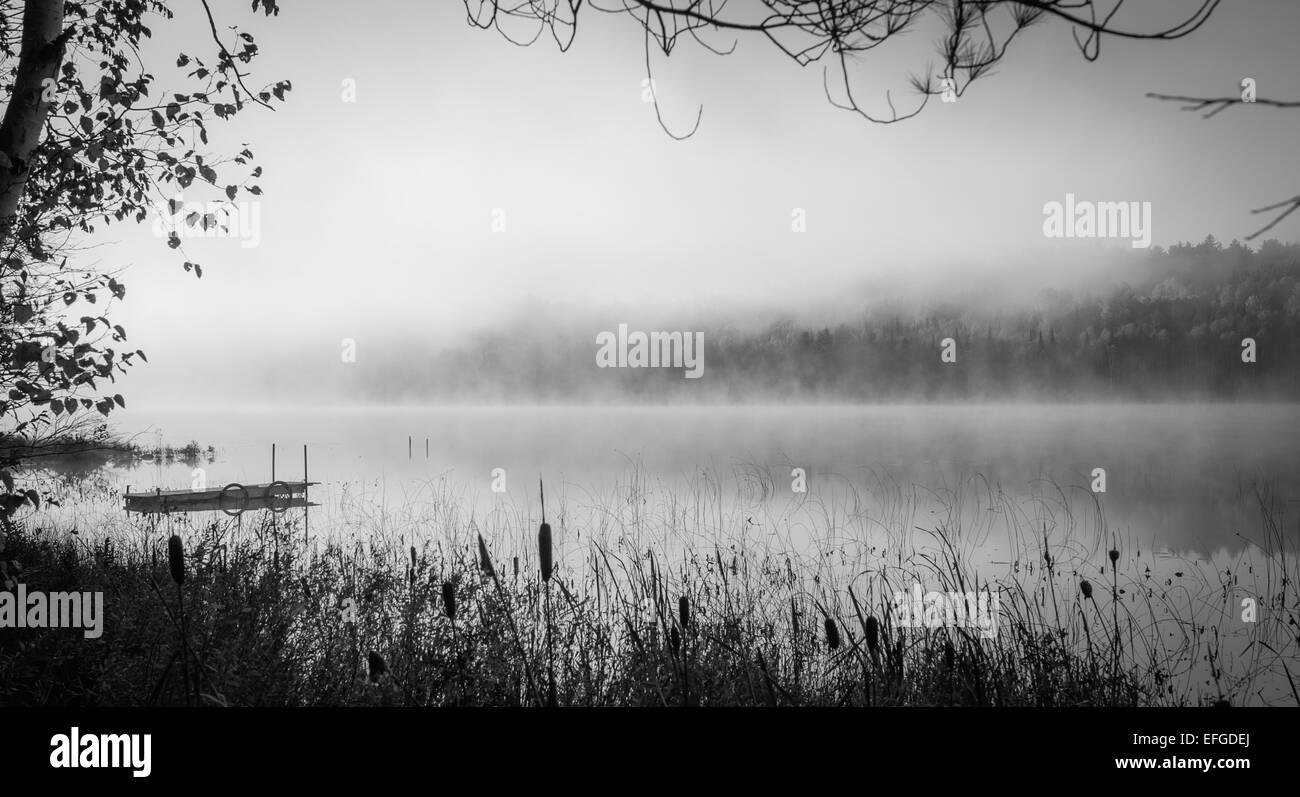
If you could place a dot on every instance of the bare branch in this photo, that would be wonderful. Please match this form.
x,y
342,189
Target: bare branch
x,y
1217,105
654,98
1290,204
1220,103
977,33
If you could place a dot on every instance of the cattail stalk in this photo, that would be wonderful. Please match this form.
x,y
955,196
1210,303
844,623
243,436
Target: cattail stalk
x,y
176,562
684,617
377,666
873,635
544,552
547,565
1114,608
510,617
485,561
1086,588
449,608
832,634
449,602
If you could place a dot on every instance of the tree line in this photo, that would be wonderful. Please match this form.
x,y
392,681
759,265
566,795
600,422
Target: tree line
x,y
1174,332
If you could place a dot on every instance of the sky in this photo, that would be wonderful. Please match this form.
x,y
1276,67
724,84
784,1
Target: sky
x,y
376,223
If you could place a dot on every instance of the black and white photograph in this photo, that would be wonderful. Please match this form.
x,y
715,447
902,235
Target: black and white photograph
x,y
422,365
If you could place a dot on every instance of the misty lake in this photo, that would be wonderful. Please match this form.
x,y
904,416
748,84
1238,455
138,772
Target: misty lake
x,y
813,500
1181,478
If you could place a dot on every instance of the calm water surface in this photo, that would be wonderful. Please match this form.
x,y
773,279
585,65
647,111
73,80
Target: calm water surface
x,y
1182,477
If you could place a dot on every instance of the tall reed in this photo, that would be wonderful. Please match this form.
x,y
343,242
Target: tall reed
x,y
176,562
546,559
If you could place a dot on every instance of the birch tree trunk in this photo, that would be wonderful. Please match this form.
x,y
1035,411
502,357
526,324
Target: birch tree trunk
x,y
39,60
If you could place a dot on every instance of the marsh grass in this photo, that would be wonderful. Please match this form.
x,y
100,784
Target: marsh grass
x,y
659,599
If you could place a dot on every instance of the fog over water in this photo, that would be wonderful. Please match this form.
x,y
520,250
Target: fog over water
x,y
1179,477
610,220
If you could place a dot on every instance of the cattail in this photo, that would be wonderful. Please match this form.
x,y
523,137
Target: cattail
x,y
1114,556
873,634
684,611
832,634
484,560
544,550
1086,588
412,557
516,565
377,666
449,600
176,561
949,654
176,558
675,638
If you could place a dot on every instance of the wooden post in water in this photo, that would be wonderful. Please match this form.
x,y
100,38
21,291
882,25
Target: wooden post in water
x,y
273,462
306,495
426,448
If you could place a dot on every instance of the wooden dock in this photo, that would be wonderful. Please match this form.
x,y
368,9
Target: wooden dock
x,y
232,499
